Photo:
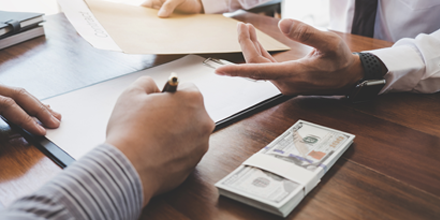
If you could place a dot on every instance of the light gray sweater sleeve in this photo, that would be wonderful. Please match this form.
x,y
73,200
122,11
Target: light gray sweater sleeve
x,y
101,185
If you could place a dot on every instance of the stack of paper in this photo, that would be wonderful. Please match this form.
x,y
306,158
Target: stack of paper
x,y
16,27
277,178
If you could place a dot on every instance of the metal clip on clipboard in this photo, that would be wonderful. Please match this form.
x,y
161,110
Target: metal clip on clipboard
x,y
213,63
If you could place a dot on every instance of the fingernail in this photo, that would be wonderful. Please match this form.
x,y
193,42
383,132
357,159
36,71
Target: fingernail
x,y
40,129
220,73
56,114
286,25
54,120
162,13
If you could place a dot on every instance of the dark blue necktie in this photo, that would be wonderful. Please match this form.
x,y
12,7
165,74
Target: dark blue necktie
x,y
364,17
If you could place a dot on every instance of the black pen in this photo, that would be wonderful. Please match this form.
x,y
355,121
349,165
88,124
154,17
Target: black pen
x,y
171,85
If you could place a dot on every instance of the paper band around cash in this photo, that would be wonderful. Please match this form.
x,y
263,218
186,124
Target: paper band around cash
x,y
285,169
323,166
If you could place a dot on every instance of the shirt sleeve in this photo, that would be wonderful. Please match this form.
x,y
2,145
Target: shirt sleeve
x,y
413,64
222,6
101,185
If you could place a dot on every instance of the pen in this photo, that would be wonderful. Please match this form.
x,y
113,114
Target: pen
x,y
171,84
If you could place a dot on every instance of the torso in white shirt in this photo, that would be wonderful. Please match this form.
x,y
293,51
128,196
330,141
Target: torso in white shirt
x,y
395,19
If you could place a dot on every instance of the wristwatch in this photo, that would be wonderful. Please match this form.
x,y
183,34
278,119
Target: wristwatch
x,y
373,81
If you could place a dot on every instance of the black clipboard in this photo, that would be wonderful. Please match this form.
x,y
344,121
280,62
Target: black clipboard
x,y
51,150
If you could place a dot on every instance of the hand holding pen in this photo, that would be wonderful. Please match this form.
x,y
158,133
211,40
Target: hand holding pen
x,y
163,135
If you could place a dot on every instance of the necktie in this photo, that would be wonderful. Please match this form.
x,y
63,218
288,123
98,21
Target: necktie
x,y
364,17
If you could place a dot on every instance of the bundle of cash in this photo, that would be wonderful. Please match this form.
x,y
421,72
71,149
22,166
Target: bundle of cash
x,y
277,178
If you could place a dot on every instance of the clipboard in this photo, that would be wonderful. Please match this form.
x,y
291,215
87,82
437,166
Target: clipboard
x,y
80,133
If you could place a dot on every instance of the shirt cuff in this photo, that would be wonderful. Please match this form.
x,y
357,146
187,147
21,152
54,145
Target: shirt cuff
x,y
215,6
405,67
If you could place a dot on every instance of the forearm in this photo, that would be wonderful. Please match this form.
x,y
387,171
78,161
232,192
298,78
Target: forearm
x,y
102,185
413,64
221,6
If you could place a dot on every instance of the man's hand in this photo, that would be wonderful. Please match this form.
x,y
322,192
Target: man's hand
x,y
18,106
330,68
164,135
167,7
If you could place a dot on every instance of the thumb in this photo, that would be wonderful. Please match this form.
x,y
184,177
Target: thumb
x,y
145,84
168,8
305,34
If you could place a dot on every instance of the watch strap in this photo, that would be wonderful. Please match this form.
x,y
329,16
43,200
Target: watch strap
x,y
371,65
373,81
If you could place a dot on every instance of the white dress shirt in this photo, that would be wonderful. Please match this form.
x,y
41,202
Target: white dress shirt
x,y
413,61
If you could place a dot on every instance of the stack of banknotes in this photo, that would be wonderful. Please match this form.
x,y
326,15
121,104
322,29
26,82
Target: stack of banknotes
x,y
278,177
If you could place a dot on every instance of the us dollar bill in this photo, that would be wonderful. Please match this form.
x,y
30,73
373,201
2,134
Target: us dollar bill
x,y
305,145
263,185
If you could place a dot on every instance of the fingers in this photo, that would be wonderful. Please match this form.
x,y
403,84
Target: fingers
x,y
250,52
31,105
15,114
148,3
145,84
306,34
253,52
266,71
54,113
263,52
155,4
253,37
193,95
190,94
168,8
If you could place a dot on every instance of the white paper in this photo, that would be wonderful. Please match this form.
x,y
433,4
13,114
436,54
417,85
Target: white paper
x,y
80,16
85,112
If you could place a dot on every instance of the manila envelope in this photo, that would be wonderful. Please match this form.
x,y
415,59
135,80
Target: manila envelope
x,y
138,30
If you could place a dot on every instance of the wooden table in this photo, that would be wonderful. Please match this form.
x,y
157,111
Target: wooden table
x,y
392,171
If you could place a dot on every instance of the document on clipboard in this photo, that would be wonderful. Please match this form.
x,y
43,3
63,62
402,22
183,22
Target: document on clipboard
x,y
86,111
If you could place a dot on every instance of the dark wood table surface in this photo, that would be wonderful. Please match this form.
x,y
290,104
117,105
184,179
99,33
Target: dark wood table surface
x,y
392,171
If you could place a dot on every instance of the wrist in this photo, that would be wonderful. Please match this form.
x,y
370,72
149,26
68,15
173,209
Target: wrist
x,y
372,81
356,74
147,178
357,69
